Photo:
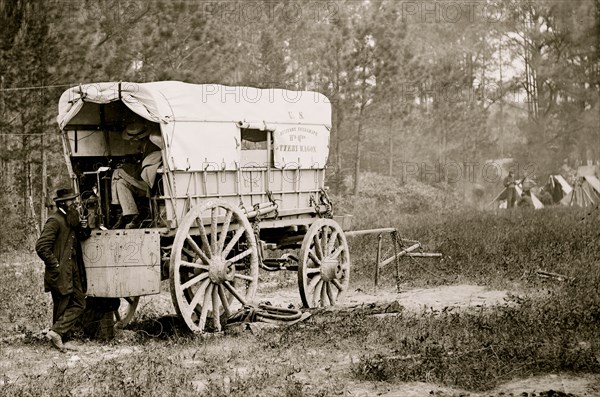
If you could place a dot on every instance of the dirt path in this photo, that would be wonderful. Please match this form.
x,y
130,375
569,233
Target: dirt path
x,y
434,299
37,358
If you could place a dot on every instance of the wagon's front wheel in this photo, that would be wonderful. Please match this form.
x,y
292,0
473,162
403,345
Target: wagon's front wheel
x,y
214,265
324,271
124,314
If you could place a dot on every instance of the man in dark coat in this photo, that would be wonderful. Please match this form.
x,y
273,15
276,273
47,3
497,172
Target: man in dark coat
x,y
511,190
64,277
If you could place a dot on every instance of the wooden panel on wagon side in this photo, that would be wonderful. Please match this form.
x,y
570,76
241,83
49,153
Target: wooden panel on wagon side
x,y
122,263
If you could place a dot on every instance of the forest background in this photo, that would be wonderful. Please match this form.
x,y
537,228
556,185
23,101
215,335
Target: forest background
x,y
434,93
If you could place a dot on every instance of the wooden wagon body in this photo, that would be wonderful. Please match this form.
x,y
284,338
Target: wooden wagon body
x,y
242,173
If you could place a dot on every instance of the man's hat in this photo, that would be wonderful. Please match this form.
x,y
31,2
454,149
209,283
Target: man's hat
x,y
65,194
135,131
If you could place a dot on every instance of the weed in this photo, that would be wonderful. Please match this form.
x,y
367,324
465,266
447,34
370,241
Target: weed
x,y
550,326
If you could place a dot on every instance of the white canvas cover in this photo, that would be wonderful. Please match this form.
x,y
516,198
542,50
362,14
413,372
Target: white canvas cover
x,y
199,122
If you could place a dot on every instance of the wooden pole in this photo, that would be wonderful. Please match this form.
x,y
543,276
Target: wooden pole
x,y
379,241
425,254
401,253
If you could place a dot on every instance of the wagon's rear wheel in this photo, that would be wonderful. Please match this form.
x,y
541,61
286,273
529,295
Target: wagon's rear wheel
x,y
214,268
124,314
324,271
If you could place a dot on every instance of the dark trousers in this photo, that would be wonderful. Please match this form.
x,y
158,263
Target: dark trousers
x,y
511,197
67,308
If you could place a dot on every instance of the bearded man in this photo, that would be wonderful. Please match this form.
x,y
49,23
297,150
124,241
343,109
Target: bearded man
x,y
60,249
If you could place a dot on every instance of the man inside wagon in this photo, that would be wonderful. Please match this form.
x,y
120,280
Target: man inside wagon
x,y
136,180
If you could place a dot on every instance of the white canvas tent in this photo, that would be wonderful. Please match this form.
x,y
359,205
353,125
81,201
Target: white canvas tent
x,y
500,199
585,192
558,188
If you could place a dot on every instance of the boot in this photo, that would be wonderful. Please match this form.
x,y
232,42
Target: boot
x,y
122,220
135,222
56,341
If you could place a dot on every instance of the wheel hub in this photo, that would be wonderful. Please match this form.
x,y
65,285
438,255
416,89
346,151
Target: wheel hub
x,y
331,269
220,271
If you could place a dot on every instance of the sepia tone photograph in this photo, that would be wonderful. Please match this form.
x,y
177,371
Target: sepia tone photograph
x,y
304,198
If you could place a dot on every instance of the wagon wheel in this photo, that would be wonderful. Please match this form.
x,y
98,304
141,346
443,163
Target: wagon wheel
x,y
215,271
124,314
324,270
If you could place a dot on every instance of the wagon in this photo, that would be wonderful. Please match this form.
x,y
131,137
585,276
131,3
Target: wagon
x,y
241,187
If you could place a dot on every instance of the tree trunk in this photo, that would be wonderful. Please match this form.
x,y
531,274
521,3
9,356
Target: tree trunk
x,y
391,140
44,193
3,148
501,137
357,153
338,146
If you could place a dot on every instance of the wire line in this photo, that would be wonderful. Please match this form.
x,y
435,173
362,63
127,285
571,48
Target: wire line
x,y
37,87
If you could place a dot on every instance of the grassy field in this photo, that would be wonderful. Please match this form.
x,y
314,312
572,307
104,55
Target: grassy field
x,y
547,326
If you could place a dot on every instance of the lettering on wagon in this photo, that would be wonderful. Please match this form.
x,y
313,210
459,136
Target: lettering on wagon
x,y
128,253
297,148
297,135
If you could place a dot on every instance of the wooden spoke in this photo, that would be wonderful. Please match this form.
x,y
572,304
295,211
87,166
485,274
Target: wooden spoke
x,y
117,316
318,248
324,294
233,241
203,236
313,270
213,231
194,280
313,283
215,306
337,252
314,258
224,300
324,240
337,285
224,231
241,256
188,252
130,300
205,303
317,293
199,295
197,249
234,292
243,277
331,243
194,265
330,294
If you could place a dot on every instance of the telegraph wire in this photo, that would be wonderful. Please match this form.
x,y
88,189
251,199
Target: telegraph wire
x,y
37,87
31,133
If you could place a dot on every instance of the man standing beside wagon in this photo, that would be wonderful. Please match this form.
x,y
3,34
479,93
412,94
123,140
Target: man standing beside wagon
x,y
64,277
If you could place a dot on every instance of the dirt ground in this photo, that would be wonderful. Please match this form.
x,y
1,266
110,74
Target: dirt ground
x,y
18,358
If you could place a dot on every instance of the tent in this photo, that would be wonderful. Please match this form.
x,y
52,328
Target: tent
x,y
558,188
585,192
500,199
